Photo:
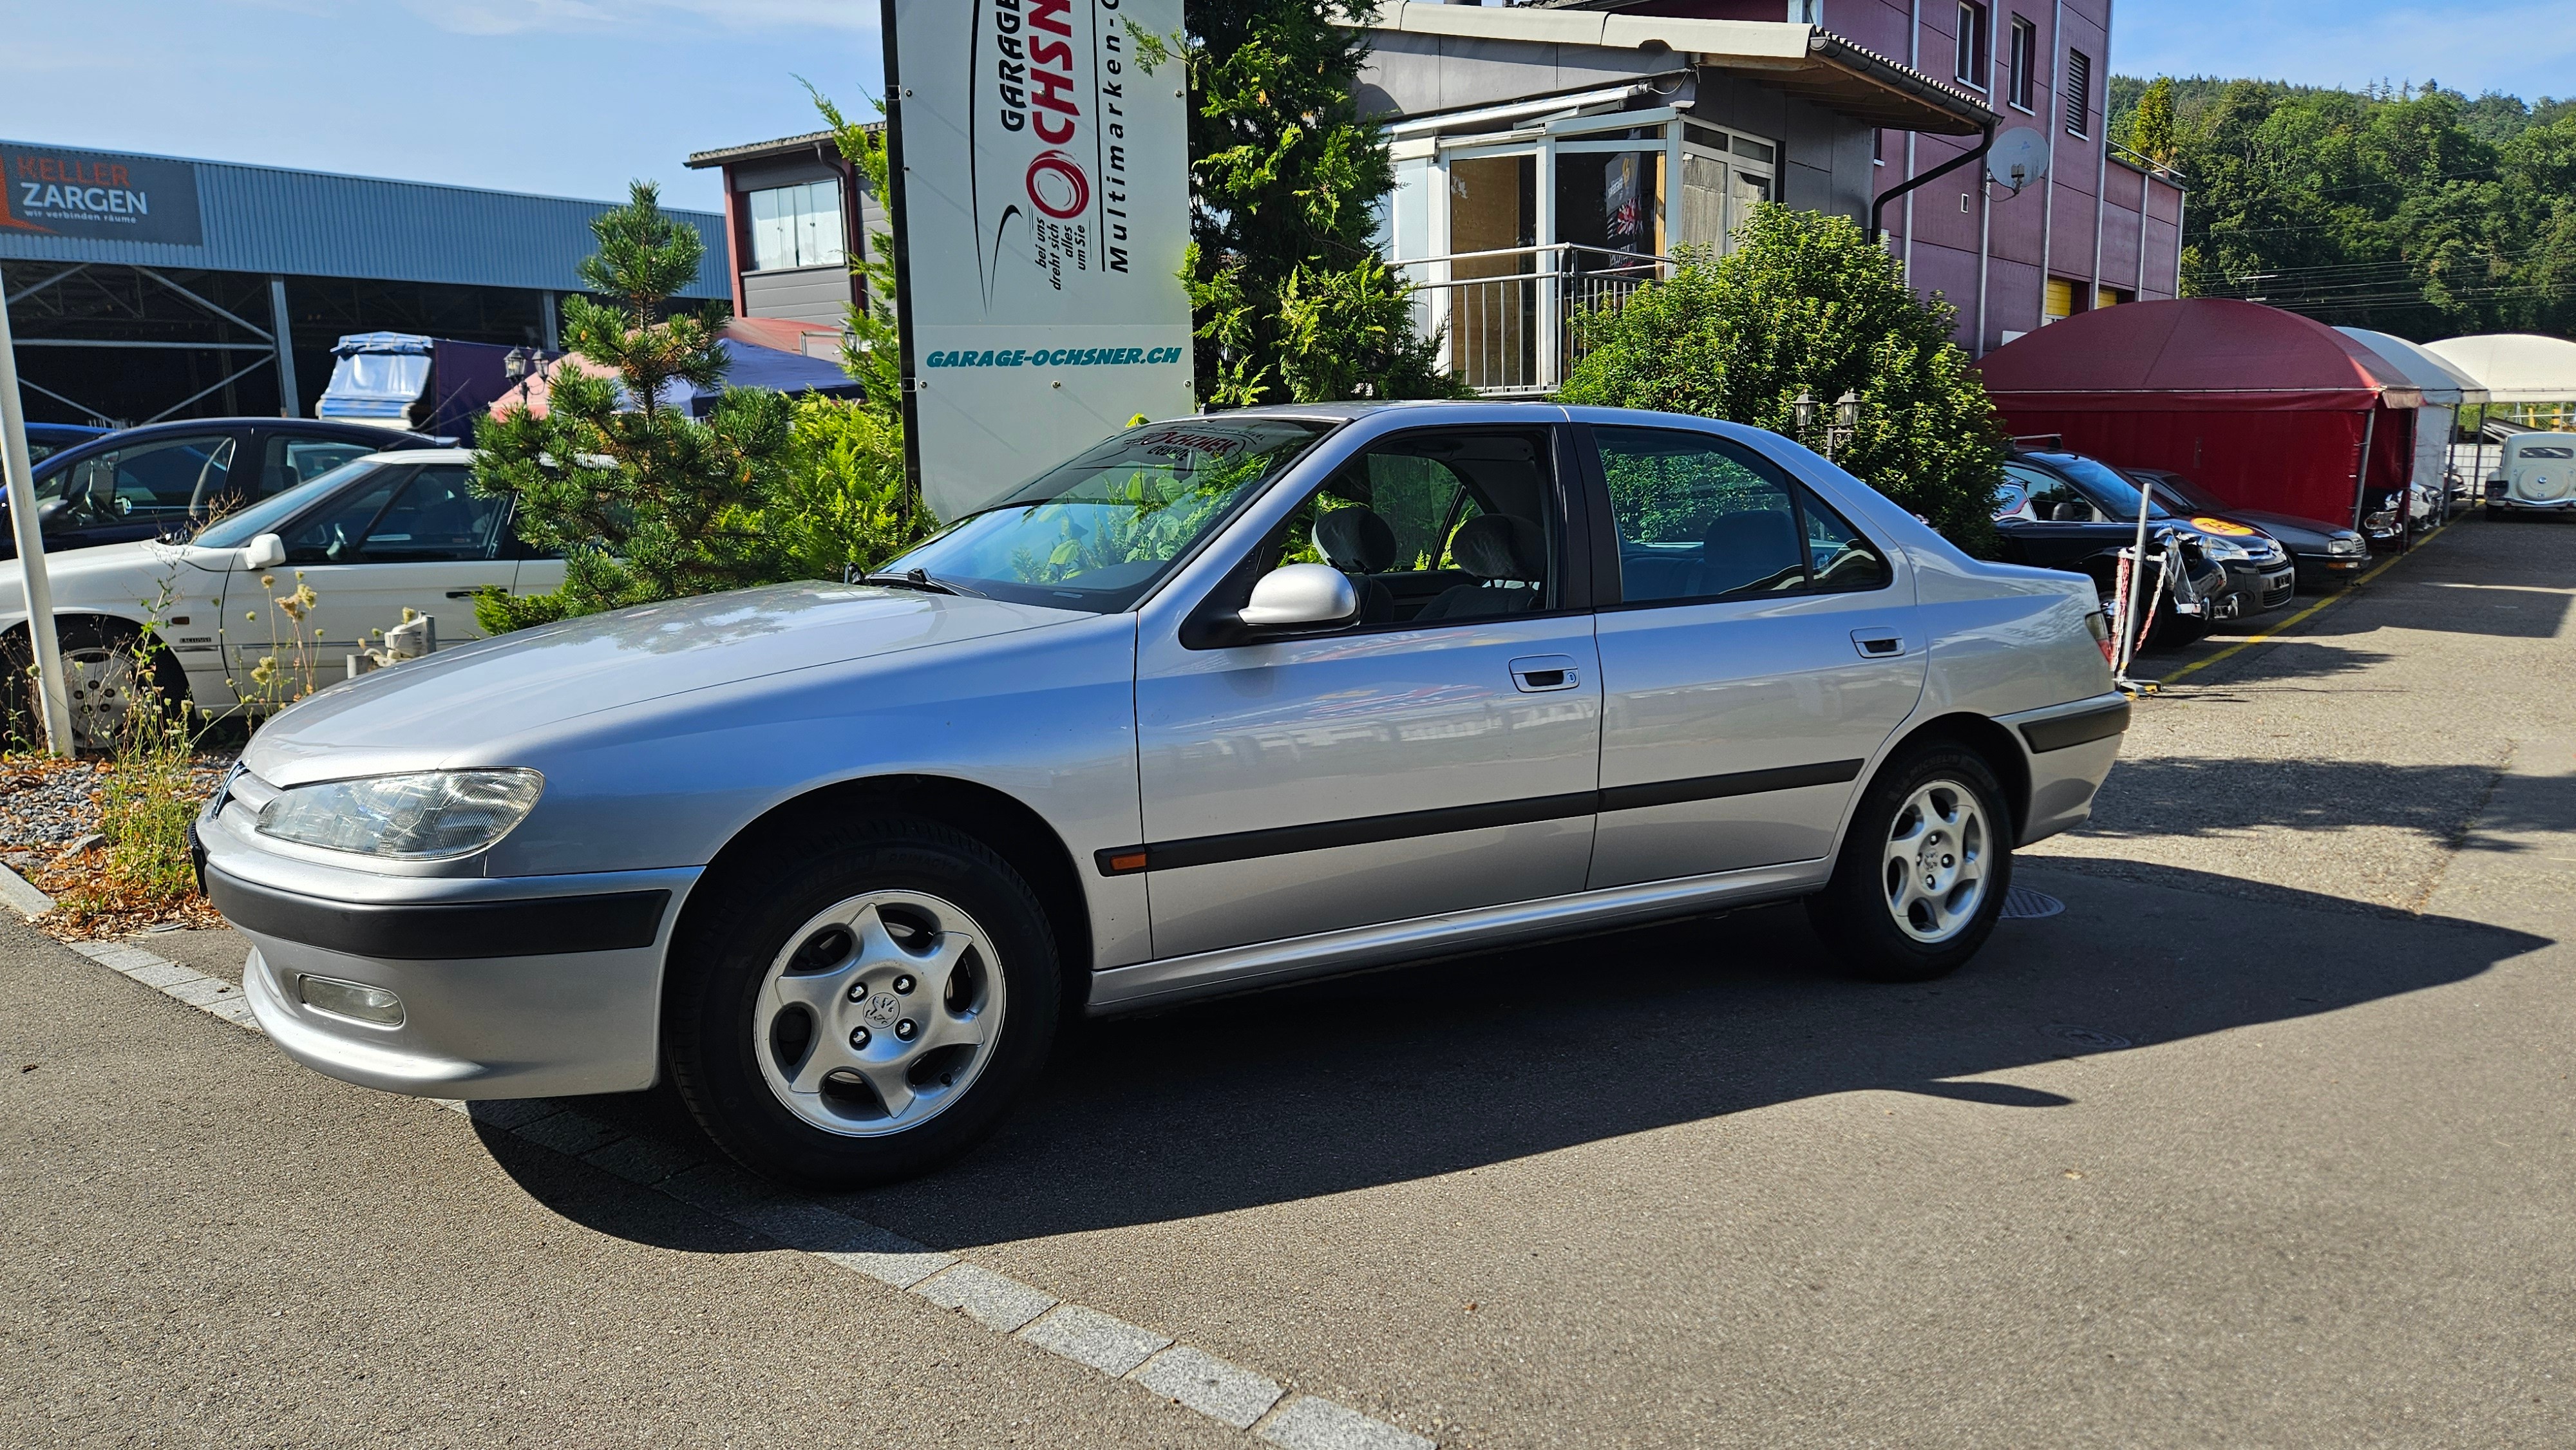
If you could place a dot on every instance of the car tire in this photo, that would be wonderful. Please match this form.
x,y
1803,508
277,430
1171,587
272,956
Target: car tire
x,y
818,1000
1928,802
103,659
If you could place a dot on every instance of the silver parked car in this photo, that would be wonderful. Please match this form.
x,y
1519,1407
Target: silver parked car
x,y
1223,703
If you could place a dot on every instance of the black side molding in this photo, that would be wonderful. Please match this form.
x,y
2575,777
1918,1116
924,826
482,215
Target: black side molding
x,y
534,927
1714,787
1365,830
2060,731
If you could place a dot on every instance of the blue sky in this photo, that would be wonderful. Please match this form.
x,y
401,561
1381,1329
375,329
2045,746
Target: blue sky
x,y
2522,47
574,97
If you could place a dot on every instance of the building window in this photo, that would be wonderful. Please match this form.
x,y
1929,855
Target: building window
x,y
1806,12
797,226
2079,92
2023,59
1971,44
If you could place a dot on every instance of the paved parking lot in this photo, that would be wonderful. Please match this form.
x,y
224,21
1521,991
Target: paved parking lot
x,y
2265,1139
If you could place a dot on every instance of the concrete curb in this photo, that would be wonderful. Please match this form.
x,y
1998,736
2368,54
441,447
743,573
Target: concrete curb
x,y
21,896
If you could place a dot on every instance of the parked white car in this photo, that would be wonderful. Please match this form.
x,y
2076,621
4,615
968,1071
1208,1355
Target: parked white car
x,y
378,535
2537,474
1222,703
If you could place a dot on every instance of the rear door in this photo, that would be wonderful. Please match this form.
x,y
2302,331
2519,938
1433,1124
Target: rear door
x,y
1760,651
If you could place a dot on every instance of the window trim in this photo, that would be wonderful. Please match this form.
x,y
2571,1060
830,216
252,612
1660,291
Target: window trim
x,y
1609,583
2021,68
2078,100
1207,626
1972,51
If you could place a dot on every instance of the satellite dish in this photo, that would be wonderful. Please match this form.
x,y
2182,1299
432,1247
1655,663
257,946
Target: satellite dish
x,y
2018,158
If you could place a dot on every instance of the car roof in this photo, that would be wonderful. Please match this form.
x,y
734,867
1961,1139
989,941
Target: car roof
x,y
145,432
419,455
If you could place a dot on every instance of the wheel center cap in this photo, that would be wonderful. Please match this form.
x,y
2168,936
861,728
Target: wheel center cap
x,y
882,1009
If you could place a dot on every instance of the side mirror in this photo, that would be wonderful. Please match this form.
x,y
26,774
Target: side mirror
x,y
55,513
266,551
1301,595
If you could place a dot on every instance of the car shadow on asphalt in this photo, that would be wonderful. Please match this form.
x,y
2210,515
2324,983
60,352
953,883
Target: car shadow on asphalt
x,y
2161,797
1433,1069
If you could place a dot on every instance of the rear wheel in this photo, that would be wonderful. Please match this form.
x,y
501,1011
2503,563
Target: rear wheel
x,y
1923,870
866,1012
109,673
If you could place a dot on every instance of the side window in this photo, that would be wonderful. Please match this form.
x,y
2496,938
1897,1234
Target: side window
x,y
156,481
2048,498
288,461
437,518
1842,558
1697,518
1437,526
337,532
2012,499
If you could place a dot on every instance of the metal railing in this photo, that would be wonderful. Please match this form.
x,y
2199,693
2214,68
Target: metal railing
x,y
1508,320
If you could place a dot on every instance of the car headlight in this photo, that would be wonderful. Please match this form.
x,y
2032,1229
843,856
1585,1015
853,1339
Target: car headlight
x,y
2347,544
426,816
2223,550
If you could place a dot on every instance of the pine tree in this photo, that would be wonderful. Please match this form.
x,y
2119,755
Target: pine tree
x,y
1289,295
643,501
1805,304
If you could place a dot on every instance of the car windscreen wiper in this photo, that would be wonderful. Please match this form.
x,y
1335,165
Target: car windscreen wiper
x,y
918,579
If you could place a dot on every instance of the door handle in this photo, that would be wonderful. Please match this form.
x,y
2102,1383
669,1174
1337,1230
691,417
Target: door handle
x,y
1878,644
1538,674
463,593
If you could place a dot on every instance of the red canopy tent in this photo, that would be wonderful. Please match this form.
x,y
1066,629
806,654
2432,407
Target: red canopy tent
x,y
2265,408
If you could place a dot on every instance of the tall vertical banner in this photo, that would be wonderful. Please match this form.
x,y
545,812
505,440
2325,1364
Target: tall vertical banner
x,y
1041,210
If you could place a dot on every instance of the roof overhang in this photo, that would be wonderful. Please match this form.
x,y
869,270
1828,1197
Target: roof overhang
x,y
811,143
1804,61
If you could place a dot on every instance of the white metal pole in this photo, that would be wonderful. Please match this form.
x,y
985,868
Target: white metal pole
x,y
55,709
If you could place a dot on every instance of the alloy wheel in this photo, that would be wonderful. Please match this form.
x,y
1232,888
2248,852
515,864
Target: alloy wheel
x,y
1934,869
878,1013
103,688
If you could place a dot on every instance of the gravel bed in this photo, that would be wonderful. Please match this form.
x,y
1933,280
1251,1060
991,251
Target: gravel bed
x,y
48,804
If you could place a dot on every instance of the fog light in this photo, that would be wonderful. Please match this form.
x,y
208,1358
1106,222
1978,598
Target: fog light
x,y
354,1000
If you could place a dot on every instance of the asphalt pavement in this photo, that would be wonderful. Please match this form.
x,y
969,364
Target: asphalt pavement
x,y
2263,1140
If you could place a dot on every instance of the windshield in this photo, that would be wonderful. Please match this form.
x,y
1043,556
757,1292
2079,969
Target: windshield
x,y
2173,488
2110,492
1097,532
234,530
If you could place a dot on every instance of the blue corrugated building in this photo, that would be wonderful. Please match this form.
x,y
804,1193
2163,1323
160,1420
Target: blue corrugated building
x,y
145,287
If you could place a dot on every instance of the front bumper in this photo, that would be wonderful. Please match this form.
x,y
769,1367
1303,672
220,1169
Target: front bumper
x,y
2318,570
2259,588
509,987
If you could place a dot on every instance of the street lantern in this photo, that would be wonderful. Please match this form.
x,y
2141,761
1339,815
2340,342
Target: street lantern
x,y
1804,410
515,366
1847,412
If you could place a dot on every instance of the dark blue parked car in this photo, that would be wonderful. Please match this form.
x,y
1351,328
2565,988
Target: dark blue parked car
x,y
44,440
165,480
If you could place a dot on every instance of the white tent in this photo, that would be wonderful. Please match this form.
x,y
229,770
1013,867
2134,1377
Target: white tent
x,y
2446,387
2514,367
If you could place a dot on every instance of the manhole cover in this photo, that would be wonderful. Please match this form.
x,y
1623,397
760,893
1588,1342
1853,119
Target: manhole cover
x,y
2091,1038
2023,904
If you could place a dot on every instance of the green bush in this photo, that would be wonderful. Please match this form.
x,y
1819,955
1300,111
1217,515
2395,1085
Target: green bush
x,y
839,502
1805,303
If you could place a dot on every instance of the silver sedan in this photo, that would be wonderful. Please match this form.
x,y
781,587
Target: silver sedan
x,y
1221,704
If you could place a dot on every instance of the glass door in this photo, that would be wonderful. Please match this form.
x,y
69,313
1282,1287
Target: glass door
x,y
1493,297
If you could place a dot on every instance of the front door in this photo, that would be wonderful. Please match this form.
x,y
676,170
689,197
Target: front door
x,y
1762,652
1438,755
412,538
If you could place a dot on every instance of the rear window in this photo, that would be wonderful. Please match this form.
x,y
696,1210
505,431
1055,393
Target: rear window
x,y
2552,451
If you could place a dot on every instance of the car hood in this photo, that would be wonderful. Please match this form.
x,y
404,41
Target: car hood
x,y
460,702
2304,535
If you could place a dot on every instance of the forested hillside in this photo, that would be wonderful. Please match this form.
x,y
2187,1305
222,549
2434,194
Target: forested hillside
x,y
2419,211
